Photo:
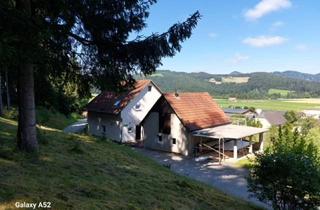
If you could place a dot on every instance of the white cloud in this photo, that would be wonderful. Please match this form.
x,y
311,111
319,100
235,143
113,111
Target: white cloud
x,y
212,35
264,41
238,58
265,7
277,24
302,47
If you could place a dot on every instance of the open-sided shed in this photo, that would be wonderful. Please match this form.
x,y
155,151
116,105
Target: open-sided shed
x,y
234,134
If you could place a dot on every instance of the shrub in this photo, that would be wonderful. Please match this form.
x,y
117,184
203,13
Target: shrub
x,y
288,173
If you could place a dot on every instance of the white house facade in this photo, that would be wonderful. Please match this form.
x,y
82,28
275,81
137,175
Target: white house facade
x,y
119,116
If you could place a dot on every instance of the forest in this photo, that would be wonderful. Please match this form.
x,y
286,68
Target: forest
x,y
258,86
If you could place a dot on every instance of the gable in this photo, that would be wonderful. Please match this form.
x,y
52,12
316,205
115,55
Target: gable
x,y
112,102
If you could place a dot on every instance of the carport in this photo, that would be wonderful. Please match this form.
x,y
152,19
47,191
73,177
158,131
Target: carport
x,y
229,137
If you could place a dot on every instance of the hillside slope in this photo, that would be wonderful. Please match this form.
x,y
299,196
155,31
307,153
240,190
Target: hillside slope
x,y
81,172
254,85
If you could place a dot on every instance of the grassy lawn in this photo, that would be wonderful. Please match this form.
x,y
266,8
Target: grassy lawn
x,y
45,117
82,172
280,105
279,91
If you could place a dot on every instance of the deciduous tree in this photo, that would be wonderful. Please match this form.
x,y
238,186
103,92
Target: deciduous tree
x,y
288,173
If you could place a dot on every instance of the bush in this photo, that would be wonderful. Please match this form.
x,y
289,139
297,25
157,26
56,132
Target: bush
x,y
288,173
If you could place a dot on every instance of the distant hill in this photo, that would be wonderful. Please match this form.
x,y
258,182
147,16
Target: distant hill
x,y
299,75
235,73
258,85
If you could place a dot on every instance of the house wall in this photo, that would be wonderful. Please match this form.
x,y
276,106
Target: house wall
x,y
178,131
136,111
112,124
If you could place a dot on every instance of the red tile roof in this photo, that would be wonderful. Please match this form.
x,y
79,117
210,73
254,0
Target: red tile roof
x,y
197,110
112,102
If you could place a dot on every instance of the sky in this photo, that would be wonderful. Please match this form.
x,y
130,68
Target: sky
x,y
243,35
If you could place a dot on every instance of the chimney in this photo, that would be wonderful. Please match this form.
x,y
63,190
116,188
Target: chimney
x,y
176,93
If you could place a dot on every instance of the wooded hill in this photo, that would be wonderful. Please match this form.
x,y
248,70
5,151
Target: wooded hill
x,y
258,85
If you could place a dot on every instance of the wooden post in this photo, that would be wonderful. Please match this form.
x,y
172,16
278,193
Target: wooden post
x,y
261,141
223,150
235,149
250,146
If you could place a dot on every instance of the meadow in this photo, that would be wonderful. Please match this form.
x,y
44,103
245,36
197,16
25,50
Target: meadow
x,y
277,105
83,172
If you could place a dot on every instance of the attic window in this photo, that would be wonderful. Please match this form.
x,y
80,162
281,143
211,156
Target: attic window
x,y
137,106
174,140
149,87
117,103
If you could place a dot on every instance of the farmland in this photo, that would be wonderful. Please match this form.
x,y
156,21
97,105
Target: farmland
x,y
281,105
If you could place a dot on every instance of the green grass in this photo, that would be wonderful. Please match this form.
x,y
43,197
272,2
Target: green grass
x,y
269,104
279,91
50,118
82,172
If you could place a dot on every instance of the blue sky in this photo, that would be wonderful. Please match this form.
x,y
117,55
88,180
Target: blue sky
x,y
243,35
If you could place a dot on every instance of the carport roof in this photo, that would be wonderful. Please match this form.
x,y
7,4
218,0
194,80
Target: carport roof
x,y
229,132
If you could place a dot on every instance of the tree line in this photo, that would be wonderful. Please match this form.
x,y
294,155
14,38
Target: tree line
x,y
257,87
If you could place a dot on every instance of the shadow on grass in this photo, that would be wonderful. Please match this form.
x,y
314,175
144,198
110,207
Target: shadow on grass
x,y
78,171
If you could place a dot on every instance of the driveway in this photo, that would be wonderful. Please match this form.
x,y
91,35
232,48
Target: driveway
x,y
76,127
227,178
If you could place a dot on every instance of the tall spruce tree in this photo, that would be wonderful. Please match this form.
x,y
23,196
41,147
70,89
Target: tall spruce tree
x,y
1,102
94,33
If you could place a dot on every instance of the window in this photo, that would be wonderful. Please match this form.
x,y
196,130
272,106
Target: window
x,y
149,88
160,138
165,123
130,129
117,103
104,128
174,140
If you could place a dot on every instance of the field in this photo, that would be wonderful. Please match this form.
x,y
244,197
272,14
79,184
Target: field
x,y
279,91
237,80
82,172
280,105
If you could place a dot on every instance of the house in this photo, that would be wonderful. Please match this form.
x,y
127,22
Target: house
x,y
192,124
271,118
312,113
118,116
247,113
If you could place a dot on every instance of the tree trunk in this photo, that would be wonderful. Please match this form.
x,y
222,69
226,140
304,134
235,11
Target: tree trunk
x,y
27,135
7,89
1,104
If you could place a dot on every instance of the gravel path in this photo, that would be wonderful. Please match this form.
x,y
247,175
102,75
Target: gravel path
x,y
226,178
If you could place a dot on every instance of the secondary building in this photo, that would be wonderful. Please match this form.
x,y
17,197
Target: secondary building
x,y
271,118
118,116
193,124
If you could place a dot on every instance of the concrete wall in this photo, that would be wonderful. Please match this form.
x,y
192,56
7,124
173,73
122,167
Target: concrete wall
x,y
178,131
112,124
